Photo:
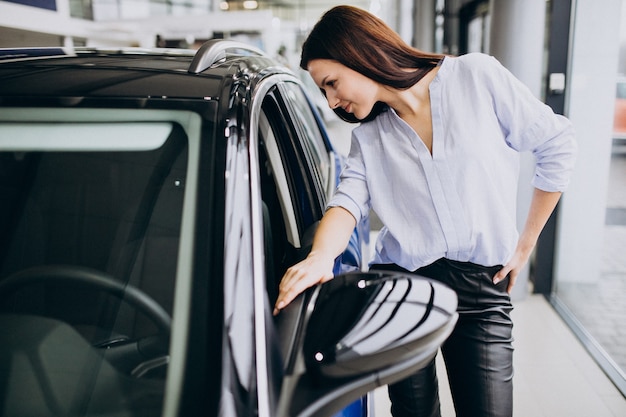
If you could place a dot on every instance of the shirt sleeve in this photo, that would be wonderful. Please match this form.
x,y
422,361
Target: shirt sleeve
x,y
531,125
352,192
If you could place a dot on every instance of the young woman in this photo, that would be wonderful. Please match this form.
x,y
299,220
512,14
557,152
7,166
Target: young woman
x,y
436,157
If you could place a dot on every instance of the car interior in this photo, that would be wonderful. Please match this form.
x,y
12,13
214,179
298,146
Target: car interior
x,y
72,224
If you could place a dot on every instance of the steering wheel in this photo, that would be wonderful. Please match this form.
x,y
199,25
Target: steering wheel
x,y
87,277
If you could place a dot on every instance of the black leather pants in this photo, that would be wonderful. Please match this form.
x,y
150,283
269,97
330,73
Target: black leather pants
x,y
478,354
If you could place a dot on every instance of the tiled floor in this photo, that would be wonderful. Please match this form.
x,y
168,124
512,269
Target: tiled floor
x,y
601,309
554,375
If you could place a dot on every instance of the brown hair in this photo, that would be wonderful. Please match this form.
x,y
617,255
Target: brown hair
x,y
364,43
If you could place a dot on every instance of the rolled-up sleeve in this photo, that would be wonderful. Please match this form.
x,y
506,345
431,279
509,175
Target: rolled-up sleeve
x,y
555,155
531,125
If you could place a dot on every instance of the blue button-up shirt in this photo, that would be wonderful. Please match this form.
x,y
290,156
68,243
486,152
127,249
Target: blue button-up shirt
x,y
459,202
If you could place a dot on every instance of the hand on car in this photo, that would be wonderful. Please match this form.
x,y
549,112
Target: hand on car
x,y
314,269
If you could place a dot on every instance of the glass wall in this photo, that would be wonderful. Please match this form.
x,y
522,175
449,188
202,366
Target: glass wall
x,y
590,288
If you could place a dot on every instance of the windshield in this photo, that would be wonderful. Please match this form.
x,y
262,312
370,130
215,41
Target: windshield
x,y
90,223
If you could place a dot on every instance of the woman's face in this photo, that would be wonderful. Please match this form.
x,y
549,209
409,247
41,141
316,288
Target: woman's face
x,y
344,87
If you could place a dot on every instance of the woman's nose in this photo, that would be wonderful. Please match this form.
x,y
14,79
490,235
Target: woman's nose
x,y
333,101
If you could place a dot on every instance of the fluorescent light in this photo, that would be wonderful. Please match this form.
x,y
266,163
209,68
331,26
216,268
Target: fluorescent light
x,y
250,4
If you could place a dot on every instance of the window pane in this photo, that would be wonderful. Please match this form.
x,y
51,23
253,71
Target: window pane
x,y
88,257
314,142
591,266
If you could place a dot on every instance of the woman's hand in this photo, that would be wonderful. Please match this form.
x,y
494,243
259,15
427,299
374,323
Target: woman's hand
x,y
314,269
331,239
513,267
541,207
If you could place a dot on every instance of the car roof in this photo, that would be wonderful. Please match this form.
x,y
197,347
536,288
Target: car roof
x,y
125,73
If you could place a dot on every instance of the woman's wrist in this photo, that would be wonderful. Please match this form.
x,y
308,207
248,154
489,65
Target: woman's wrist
x,y
321,254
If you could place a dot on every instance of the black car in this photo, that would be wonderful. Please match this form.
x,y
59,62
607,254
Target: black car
x,y
150,202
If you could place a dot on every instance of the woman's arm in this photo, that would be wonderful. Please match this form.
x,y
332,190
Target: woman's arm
x,y
541,206
331,239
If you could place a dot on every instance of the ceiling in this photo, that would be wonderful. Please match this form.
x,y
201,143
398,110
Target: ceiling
x,y
303,10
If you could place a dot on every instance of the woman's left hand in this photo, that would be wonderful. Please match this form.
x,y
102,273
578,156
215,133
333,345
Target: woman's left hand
x,y
541,206
513,267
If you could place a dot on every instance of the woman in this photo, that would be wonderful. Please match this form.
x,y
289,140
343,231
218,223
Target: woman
x,y
436,157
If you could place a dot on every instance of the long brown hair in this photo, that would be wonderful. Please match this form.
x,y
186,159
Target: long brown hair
x,y
364,43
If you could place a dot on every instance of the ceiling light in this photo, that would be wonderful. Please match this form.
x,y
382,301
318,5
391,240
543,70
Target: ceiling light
x,y
250,4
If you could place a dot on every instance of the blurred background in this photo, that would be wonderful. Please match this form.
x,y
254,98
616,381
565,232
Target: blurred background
x,y
570,53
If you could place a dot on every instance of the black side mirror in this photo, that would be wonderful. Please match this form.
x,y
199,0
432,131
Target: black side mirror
x,y
365,322
363,331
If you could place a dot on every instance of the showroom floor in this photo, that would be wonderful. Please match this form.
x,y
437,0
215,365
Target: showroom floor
x,y
554,374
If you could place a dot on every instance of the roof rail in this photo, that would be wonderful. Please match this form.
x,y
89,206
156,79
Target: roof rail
x,y
214,50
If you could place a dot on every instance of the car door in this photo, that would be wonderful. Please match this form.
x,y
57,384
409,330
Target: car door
x,y
296,175
289,119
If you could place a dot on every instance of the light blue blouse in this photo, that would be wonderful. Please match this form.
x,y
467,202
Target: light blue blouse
x,y
459,202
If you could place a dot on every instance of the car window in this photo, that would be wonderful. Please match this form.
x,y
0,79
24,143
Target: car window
x,y
312,140
303,189
280,237
89,243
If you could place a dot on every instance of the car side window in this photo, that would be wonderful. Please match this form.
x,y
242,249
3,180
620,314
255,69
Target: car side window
x,y
301,187
283,220
313,141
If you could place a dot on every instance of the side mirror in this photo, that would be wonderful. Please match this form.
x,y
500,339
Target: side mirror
x,y
365,330
367,322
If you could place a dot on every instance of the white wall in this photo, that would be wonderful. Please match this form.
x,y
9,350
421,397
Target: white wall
x,y
590,98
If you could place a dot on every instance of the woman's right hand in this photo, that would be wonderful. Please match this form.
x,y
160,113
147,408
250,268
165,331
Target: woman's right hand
x,y
316,268
331,239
